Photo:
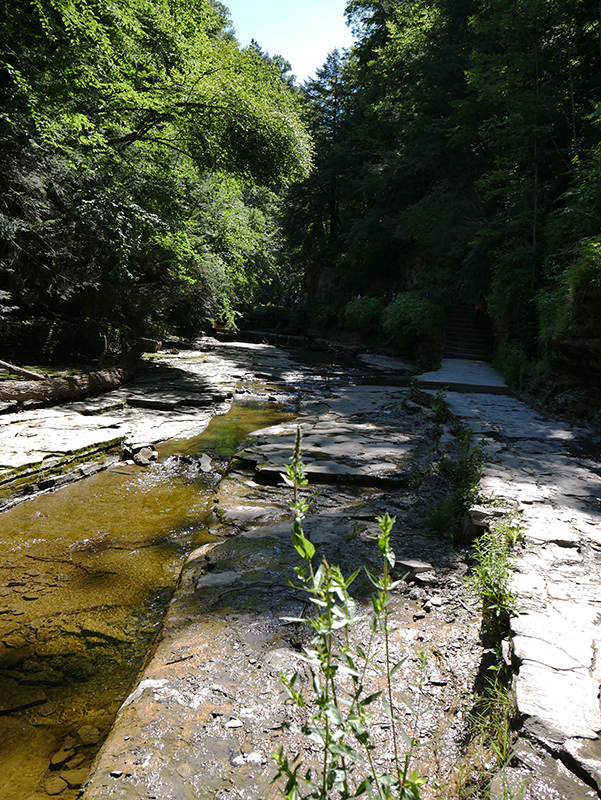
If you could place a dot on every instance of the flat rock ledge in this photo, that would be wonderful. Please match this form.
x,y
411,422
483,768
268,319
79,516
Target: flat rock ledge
x,y
209,710
534,469
541,469
174,394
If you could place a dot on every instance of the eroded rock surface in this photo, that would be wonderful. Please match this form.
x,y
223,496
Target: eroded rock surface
x,y
204,717
210,709
541,468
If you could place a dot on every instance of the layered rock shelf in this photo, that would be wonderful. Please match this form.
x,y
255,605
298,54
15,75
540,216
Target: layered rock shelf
x,y
208,710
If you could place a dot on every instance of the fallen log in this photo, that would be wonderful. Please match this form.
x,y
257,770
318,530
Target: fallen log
x,y
27,373
75,386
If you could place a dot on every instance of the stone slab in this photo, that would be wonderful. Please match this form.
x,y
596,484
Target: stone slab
x,y
568,701
587,755
463,375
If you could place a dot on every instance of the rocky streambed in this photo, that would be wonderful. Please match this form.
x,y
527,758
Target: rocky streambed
x,y
188,701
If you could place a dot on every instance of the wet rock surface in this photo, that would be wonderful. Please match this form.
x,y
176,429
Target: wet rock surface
x,y
224,640
173,395
210,709
87,570
206,713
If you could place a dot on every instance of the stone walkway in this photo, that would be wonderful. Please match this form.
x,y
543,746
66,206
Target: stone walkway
x,y
461,375
542,467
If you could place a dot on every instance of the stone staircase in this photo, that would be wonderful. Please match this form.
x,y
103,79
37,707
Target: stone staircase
x,y
461,339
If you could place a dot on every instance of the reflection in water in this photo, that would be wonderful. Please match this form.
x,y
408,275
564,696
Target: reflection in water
x,y
86,577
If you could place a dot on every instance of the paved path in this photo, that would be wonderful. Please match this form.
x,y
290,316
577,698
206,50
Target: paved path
x,y
542,467
461,375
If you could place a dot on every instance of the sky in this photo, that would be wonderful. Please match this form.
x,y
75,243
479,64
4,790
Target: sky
x,y
303,31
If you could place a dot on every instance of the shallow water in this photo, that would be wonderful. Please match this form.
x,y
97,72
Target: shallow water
x,y
85,577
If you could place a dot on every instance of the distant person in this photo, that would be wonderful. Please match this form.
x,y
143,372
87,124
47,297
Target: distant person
x,y
480,309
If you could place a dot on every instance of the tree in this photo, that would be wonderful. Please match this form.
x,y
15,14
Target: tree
x,y
313,216
124,128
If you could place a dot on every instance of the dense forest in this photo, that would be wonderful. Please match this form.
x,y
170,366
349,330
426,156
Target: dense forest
x,y
143,156
457,152
155,176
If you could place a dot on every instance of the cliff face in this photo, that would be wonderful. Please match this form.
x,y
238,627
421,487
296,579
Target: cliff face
x,y
581,345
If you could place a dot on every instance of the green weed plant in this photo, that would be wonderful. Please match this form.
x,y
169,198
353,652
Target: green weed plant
x,y
339,713
491,579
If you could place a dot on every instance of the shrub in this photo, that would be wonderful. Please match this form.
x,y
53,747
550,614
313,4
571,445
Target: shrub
x,y
410,320
491,578
363,314
511,359
553,306
586,265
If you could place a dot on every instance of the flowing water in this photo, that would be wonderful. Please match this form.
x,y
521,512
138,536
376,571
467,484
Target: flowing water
x,y
85,576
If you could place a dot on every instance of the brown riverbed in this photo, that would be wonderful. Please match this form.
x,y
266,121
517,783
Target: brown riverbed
x,y
85,577
89,571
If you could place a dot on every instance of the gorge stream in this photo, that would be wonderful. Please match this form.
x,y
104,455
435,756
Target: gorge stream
x,y
86,574
141,630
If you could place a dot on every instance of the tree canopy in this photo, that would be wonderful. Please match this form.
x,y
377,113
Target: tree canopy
x,y
140,151
156,174
465,157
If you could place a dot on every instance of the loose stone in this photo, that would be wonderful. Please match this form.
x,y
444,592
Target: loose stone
x,y
60,757
74,777
55,785
89,734
76,761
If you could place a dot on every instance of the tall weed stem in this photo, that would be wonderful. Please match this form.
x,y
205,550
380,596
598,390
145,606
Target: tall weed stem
x,y
340,712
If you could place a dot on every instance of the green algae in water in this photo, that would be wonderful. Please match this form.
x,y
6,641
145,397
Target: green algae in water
x,y
224,433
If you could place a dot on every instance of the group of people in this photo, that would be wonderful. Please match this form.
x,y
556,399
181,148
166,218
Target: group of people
x,y
386,297
290,299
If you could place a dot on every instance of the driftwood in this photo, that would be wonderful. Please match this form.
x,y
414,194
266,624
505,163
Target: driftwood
x,y
27,373
74,386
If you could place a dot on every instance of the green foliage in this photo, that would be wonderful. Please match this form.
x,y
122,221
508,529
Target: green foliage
x,y
466,158
440,407
553,307
340,710
411,319
445,511
493,720
363,314
491,578
492,742
141,147
585,266
511,359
